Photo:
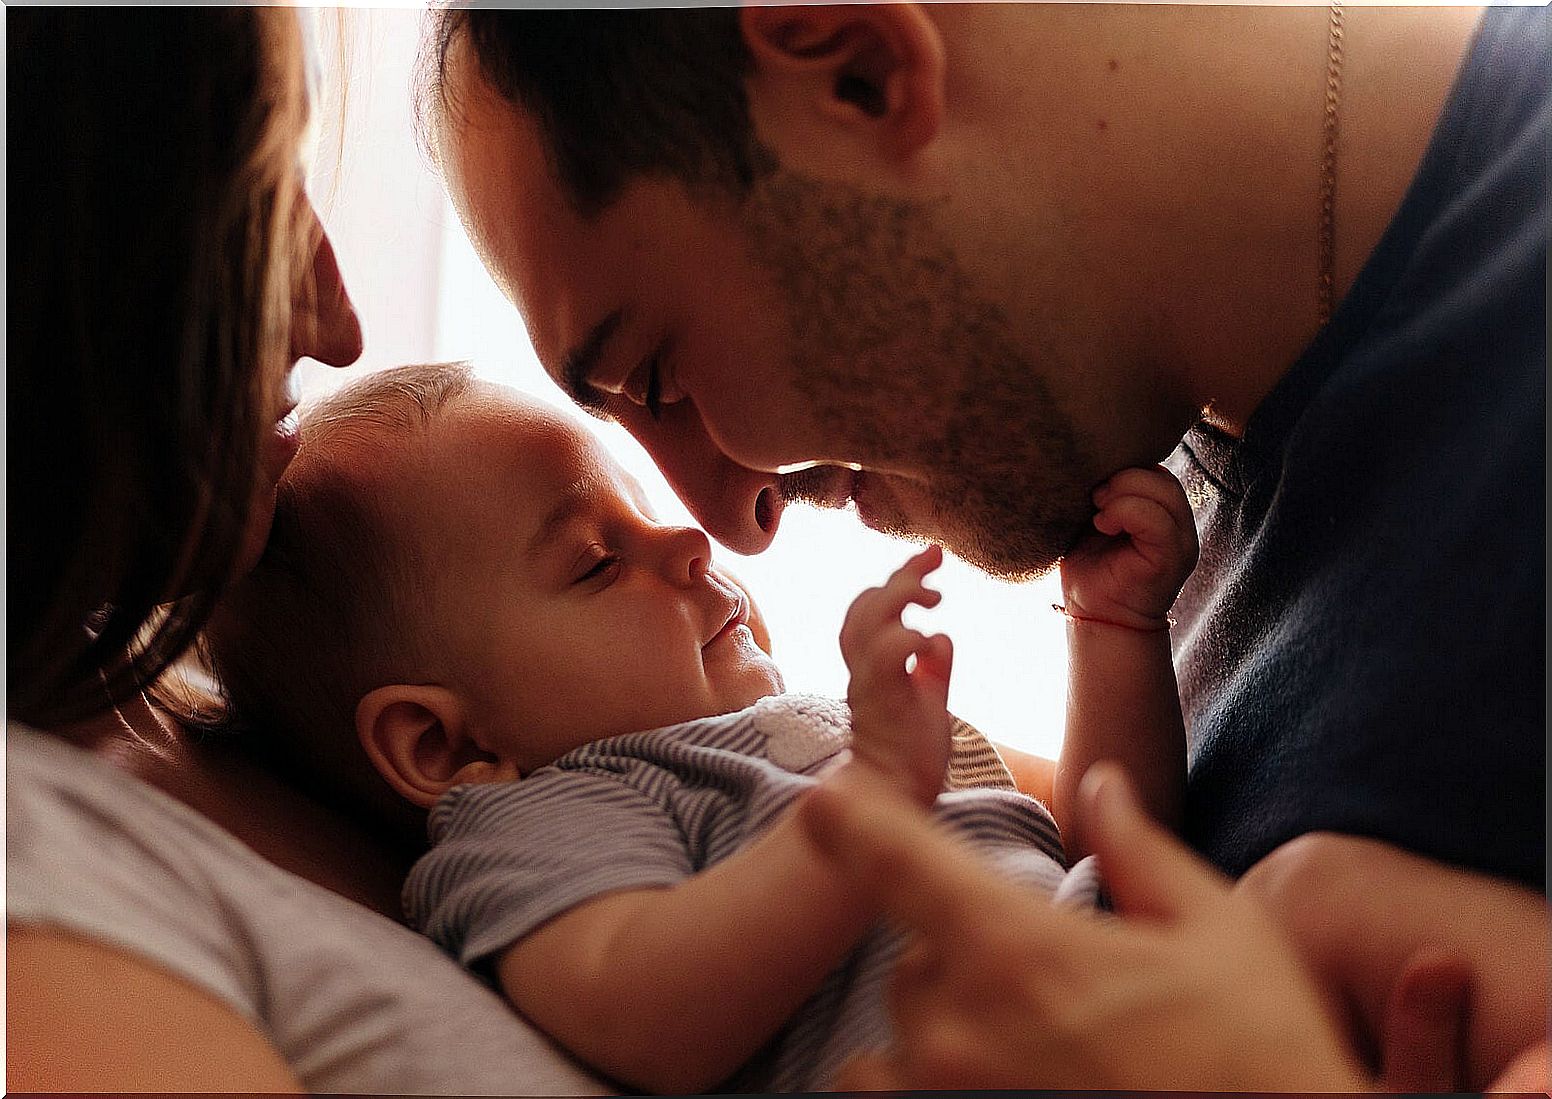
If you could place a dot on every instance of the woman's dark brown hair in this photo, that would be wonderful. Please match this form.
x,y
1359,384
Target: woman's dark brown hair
x,y
154,208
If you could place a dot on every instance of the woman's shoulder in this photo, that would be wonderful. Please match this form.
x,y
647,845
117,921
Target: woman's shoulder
x,y
81,833
350,999
95,852
51,784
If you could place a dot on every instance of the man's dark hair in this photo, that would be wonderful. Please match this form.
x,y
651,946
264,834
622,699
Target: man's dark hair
x,y
616,93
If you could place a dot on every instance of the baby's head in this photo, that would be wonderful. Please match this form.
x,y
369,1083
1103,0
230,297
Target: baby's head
x,y
461,586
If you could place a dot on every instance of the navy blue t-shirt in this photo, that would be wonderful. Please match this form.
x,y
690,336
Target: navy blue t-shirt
x,y
1361,648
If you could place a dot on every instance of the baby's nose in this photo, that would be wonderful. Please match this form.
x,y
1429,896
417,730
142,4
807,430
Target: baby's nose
x,y
687,554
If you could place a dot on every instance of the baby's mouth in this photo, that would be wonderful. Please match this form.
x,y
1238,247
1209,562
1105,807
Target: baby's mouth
x,y
738,617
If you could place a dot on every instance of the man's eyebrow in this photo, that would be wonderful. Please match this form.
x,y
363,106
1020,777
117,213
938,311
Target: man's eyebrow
x,y
578,366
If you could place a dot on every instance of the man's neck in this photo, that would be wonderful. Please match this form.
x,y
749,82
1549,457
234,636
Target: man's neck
x,y
1181,149
1395,70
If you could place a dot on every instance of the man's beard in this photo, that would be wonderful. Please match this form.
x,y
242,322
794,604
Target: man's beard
x,y
811,485
904,362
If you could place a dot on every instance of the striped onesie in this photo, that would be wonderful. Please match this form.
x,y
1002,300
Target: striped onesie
x,y
650,809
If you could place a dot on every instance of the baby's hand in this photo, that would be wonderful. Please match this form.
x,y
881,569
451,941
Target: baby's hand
x,y
1131,570
900,721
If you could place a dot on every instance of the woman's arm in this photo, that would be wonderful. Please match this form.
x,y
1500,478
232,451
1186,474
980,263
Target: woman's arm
x,y
670,990
81,1016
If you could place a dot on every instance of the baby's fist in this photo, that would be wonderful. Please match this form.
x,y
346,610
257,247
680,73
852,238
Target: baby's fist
x,y
1144,546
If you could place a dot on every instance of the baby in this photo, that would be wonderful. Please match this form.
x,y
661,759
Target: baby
x,y
466,608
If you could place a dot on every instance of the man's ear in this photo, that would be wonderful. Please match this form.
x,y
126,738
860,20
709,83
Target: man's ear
x,y
879,67
418,738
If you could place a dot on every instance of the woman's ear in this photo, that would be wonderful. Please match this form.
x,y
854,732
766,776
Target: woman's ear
x,y
418,738
880,67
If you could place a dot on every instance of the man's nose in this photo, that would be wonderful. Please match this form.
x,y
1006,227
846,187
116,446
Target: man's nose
x,y
740,507
324,324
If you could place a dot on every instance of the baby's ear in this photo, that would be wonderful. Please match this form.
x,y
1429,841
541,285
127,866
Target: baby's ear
x,y
417,738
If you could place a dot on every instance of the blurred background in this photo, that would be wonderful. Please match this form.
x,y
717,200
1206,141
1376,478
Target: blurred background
x,y
424,296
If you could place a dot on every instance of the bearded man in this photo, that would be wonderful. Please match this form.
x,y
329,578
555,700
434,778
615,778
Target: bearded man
x,y
957,264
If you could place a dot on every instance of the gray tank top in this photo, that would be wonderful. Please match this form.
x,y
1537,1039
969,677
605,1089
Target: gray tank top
x,y
351,1000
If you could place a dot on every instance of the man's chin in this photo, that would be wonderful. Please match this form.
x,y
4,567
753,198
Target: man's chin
x,y
1014,548
881,509
1006,544
1002,563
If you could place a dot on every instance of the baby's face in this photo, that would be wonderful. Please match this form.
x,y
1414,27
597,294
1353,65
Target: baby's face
x,y
565,611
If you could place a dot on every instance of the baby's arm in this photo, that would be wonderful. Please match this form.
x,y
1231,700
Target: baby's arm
x,y
1033,775
670,990
1122,700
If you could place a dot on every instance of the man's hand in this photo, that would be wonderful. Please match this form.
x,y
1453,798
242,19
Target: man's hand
x,y
1192,989
1441,972
1423,1047
1130,571
900,720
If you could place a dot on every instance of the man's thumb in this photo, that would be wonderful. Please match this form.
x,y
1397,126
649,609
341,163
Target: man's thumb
x,y
1147,871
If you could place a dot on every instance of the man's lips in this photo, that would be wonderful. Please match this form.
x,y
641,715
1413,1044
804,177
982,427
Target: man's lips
x,y
826,486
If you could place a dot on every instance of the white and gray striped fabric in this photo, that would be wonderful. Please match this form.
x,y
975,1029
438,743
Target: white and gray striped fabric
x,y
651,809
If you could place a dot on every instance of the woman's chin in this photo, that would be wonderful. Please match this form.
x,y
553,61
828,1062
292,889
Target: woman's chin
x,y
279,449
261,515
281,445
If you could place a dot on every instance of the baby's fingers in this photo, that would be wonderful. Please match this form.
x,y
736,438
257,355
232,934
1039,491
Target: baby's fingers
x,y
1152,482
935,657
905,586
878,608
1154,531
920,564
1144,520
886,653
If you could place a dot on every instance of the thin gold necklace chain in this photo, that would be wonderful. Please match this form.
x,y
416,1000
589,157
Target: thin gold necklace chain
x,y
1328,165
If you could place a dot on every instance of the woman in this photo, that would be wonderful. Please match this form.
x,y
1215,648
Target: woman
x,y
179,919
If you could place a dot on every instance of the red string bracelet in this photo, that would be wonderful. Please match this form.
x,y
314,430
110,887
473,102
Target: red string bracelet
x,y
1163,627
